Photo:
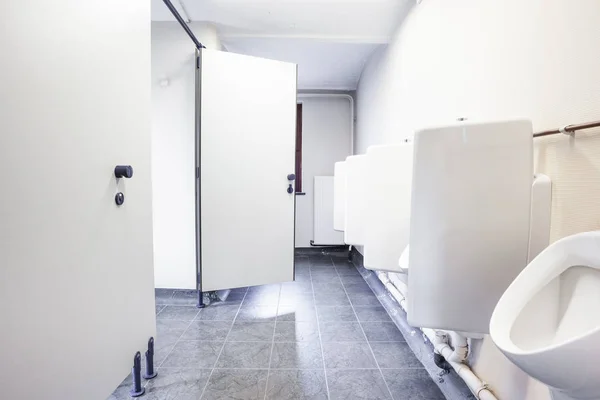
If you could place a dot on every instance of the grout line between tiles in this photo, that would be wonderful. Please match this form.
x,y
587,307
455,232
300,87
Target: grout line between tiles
x,y
319,330
178,339
272,346
222,347
368,343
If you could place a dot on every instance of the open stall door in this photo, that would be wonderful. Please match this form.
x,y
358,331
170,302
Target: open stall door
x,y
76,279
246,129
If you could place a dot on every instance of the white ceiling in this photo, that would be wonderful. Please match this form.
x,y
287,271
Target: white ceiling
x,y
321,65
330,40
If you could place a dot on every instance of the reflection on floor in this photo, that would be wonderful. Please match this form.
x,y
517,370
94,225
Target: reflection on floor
x,y
324,336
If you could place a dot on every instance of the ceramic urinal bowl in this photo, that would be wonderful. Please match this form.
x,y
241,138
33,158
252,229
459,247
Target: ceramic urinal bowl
x,y
548,320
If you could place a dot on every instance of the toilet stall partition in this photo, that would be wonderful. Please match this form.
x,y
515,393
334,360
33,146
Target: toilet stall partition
x,y
470,221
388,194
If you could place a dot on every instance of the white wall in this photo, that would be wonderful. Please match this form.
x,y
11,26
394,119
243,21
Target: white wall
x,y
173,165
326,139
490,60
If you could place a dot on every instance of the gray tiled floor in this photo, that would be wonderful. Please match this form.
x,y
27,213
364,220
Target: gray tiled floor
x,y
324,336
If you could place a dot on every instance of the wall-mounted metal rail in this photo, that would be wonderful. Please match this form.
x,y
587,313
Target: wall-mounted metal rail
x,y
569,129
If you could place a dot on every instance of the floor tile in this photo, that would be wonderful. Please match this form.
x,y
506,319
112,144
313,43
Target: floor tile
x,y
299,312
296,298
240,290
320,279
163,296
161,352
348,355
303,277
225,384
286,352
182,313
177,383
193,354
261,299
170,330
220,312
300,355
168,333
185,297
320,261
327,287
372,314
357,287
274,287
331,299
232,298
301,266
341,332
122,391
207,330
336,313
324,277
395,355
412,384
357,385
257,313
347,269
346,279
337,256
331,288
251,331
245,355
296,331
382,332
325,267
363,299
296,287
297,385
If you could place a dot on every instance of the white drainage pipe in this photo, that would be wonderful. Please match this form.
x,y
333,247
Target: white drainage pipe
x,y
455,354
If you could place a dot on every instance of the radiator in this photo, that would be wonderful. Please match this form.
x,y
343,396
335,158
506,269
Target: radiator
x,y
323,233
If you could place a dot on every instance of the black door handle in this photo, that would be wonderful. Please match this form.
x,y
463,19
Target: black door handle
x,y
123,171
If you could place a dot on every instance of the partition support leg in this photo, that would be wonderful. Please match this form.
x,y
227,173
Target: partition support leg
x,y
201,299
137,389
150,373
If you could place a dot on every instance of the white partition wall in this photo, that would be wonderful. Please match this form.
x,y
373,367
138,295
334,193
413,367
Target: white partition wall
x,y
469,228
356,200
339,196
388,190
324,234
76,276
541,209
247,132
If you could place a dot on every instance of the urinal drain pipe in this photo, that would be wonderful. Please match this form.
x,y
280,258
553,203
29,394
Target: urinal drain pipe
x,y
456,356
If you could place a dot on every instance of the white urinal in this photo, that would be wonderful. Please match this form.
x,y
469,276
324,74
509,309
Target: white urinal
x,y
548,320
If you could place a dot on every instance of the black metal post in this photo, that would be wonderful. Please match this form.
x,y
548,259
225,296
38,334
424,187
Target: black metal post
x,y
150,373
201,299
137,390
197,143
185,27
